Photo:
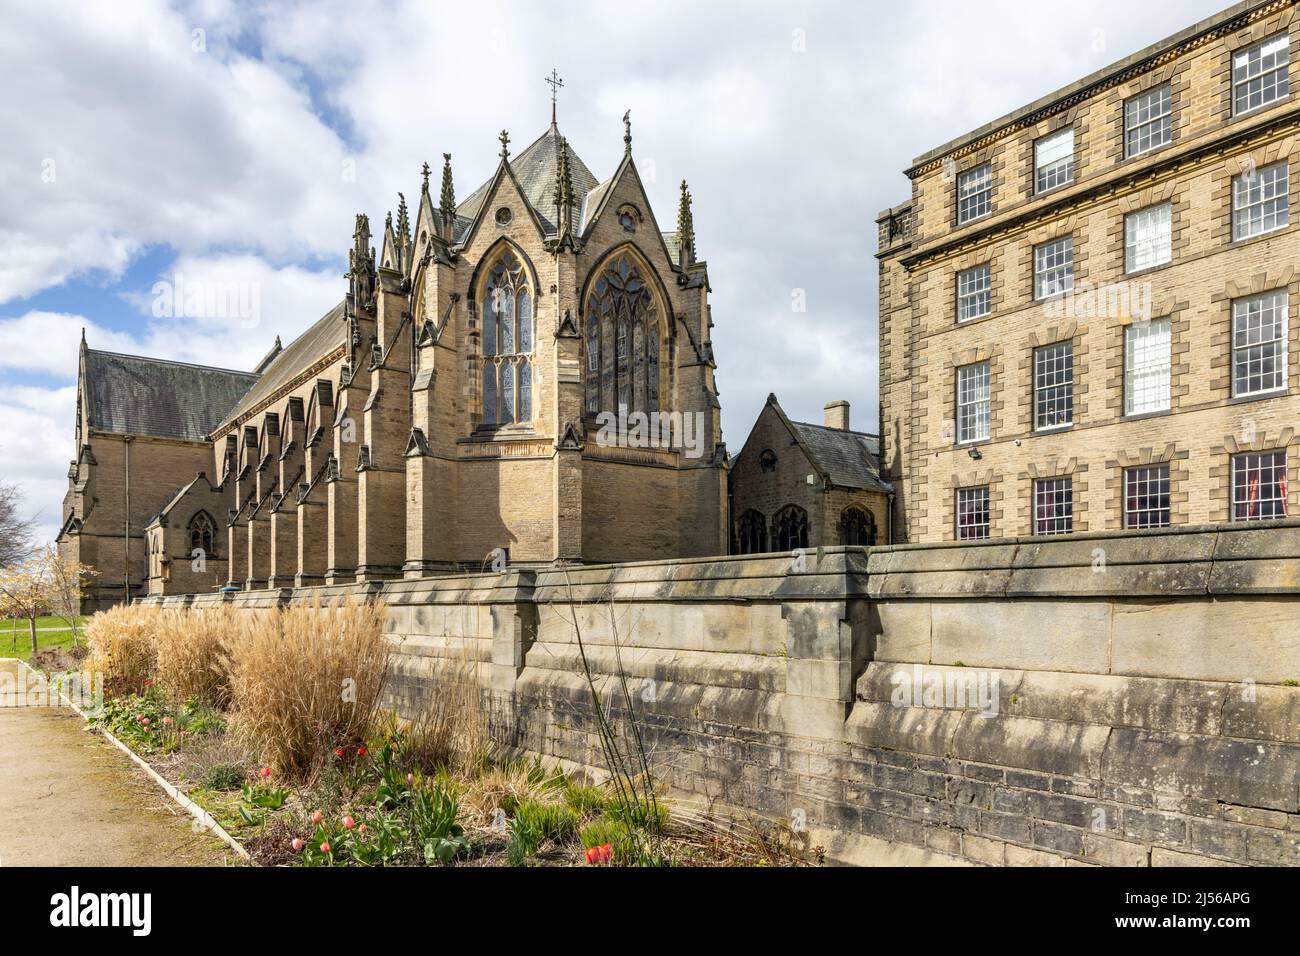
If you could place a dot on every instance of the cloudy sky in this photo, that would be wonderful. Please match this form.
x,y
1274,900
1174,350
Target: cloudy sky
x,y
232,143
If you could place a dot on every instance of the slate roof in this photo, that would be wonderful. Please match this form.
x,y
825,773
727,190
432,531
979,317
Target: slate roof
x,y
850,459
535,170
327,334
133,395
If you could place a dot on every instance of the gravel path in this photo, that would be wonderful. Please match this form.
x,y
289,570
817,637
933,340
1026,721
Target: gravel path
x,y
70,798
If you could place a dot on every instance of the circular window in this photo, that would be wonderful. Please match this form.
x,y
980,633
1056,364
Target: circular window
x,y
504,216
627,222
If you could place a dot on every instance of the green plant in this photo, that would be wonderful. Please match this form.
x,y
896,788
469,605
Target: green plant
x,y
1290,682
524,842
585,801
550,821
222,776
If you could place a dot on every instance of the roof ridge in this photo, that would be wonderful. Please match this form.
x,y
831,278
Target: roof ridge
x,y
162,361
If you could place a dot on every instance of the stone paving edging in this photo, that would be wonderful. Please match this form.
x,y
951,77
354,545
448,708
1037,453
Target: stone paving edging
x,y
206,819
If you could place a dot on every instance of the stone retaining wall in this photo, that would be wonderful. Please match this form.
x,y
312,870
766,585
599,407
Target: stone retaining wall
x,y
1131,697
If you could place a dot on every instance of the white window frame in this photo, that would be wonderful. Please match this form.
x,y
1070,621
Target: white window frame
x,y
972,503
1054,386
1253,464
1258,68
1054,263
1260,197
1149,237
1149,116
975,292
1142,484
974,401
974,194
1062,520
1148,367
1058,169
1250,346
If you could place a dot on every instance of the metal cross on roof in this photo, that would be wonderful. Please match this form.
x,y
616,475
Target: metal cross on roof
x,y
555,83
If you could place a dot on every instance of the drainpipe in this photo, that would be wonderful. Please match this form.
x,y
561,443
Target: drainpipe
x,y
891,516
126,528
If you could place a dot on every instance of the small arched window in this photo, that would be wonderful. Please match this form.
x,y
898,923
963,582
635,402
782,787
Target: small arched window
x,y
790,528
203,534
751,533
857,527
508,333
767,461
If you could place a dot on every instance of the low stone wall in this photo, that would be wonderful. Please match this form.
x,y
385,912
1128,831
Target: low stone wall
x,y
1101,699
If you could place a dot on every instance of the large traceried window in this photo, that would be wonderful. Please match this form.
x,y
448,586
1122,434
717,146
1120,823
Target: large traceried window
x,y
622,341
507,344
857,527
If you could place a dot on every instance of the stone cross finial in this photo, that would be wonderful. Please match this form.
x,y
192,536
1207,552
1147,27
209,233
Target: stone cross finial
x,y
627,131
505,144
424,171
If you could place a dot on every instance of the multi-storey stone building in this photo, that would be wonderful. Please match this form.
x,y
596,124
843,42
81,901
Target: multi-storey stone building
x,y
453,409
1085,305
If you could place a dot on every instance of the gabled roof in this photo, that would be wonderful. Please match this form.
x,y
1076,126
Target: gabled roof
x,y
847,459
534,169
324,336
134,395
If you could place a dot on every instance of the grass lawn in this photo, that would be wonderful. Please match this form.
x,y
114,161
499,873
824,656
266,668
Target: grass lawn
x,y
52,632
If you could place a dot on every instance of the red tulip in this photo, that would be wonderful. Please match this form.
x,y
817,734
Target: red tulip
x,y
361,751
266,772
297,844
338,752
348,823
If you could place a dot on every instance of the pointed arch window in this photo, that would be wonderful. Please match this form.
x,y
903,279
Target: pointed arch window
x,y
751,533
622,341
857,527
790,528
508,334
203,534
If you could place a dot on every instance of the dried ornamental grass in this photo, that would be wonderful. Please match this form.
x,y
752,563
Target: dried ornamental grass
x,y
123,648
193,653
307,678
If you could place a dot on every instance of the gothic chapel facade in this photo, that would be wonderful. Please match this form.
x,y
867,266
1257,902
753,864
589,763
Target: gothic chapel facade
x,y
445,411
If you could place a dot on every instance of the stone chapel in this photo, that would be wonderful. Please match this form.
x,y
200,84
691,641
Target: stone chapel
x,y
447,413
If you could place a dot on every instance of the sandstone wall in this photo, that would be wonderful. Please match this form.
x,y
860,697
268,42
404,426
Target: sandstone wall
x,y
1138,703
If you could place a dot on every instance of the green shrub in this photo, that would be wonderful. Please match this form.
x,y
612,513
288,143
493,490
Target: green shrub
x,y
551,821
586,801
223,776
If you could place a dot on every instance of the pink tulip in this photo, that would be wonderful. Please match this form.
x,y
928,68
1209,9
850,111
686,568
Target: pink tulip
x,y
361,828
297,844
317,816
167,721
348,823
325,847
410,780
145,721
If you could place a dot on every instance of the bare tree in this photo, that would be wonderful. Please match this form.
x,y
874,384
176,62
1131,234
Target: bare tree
x,y
26,589
15,530
66,581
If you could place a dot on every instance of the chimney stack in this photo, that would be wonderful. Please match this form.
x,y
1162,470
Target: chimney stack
x,y
837,415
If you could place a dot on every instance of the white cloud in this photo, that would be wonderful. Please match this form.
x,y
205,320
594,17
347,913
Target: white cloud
x,y
235,161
